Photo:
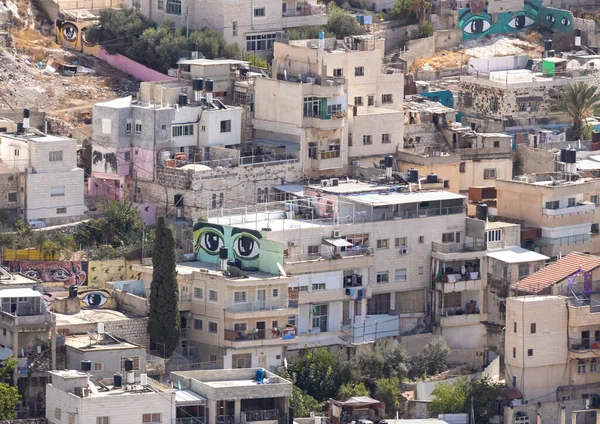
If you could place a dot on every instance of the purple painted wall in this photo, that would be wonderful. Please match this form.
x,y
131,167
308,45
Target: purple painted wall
x,y
133,68
143,162
147,212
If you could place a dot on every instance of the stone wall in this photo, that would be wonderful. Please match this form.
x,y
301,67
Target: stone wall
x,y
534,161
9,183
134,330
448,38
421,48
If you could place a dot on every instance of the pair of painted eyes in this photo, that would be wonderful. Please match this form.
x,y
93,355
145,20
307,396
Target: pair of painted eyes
x,y
564,21
480,25
245,246
58,274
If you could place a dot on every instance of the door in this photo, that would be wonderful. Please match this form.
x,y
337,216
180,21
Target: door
x,y
261,326
261,299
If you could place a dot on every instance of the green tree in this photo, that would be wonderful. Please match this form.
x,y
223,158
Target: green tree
x,y
117,29
7,240
9,395
485,393
256,61
384,360
352,389
388,391
341,23
309,32
578,101
163,322
303,403
409,11
433,358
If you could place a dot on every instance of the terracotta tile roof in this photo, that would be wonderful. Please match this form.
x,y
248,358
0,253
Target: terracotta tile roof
x,y
557,272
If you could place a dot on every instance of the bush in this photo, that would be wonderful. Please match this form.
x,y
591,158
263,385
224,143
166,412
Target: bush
x,y
341,23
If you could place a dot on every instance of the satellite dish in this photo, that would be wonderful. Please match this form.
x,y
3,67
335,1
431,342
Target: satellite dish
x,y
281,270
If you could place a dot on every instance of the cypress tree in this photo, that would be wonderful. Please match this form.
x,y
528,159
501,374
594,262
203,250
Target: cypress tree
x,y
163,323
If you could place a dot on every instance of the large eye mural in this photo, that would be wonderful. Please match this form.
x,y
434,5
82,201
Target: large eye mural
x,y
246,243
478,25
521,20
67,273
242,243
94,299
69,32
72,34
209,239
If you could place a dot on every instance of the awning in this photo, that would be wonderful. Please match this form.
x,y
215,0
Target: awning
x,y
338,242
188,398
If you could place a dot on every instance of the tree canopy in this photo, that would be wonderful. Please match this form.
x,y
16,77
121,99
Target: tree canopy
x,y
578,101
433,358
339,25
9,395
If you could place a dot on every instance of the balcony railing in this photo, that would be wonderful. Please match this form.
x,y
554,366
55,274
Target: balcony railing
x,y
581,208
457,311
584,344
255,334
190,420
184,297
477,246
271,305
428,212
250,416
581,238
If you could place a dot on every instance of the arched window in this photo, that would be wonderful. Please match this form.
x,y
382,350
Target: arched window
x,y
214,201
581,367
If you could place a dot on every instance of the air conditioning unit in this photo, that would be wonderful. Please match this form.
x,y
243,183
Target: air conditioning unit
x,y
337,234
355,163
404,251
325,183
292,244
335,182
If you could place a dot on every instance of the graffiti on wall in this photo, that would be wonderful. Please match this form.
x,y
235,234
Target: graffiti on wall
x,y
69,273
88,298
475,22
244,244
71,35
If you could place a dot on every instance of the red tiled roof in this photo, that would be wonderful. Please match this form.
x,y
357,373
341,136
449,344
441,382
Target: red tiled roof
x,y
557,272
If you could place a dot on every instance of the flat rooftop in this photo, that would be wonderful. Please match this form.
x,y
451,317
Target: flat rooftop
x,y
21,292
349,187
85,343
211,62
8,279
495,225
525,299
516,255
395,198
87,316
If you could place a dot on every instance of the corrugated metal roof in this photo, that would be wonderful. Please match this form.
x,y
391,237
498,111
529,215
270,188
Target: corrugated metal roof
x,y
188,397
516,254
557,272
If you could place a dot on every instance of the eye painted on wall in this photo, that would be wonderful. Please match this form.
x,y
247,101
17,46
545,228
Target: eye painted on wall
x,y
477,25
550,18
210,240
246,246
565,21
83,37
69,32
94,299
520,21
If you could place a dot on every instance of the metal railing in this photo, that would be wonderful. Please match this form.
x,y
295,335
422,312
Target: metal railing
x,y
242,161
207,365
581,238
583,344
250,416
255,334
264,305
429,212
476,246
457,311
190,420
348,253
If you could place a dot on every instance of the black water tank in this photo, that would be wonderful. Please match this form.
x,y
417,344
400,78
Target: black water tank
x,y
571,156
432,178
197,84
223,253
548,45
178,200
128,364
183,99
117,380
20,128
86,365
25,113
481,211
72,292
577,33
389,161
413,175
209,86
563,155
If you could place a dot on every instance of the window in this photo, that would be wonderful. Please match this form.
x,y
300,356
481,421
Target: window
x,y
183,130
400,274
56,156
467,99
274,324
421,270
275,293
106,124
234,27
138,127
260,42
16,152
151,418
537,267
57,191
493,235
61,210
198,324
514,327
595,199
198,293
12,197
496,144
489,174
98,366
552,204
382,244
523,271
370,100
319,317
291,320
386,138
240,327
534,106
581,367
259,12
462,167
367,140
213,327
421,239
136,362
333,109
160,4
448,238
239,297
128,127
226,126
386,98
383,277
570,202
302,288
318,286
174,7
400,242
358,101
533,328
102,420
339,72
359,71
594,365
514,352
494,104
57,413
312,107
529,352
213,295
522,107
313,250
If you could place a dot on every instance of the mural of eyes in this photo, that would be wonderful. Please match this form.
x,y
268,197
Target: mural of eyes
x,y
59,274
83,39
94,299
550,18
210,240
477,26
69,32
565,21
246,246
520,21
32,273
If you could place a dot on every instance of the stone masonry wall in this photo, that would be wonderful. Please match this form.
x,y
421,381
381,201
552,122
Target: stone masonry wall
x,y
133,330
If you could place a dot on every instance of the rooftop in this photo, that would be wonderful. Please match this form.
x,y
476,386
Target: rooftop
x,y
557,272
23,292
98,342
543,298
349,187
87,316
395,198
422,104
516,255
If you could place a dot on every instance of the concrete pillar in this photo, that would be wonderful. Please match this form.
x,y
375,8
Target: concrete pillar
x,y
237,408
597,416
573,417
53,343
212,411
15,349
563,415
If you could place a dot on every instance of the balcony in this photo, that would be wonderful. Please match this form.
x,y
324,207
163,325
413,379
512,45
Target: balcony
x,y
583,207
304,14
262,308
327,159
458,251
254,337
472,284
325,123
251,416
185,302
458,317
350,259
584,348
26,322
579,214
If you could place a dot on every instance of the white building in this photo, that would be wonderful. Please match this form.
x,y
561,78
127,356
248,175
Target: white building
x,y
49,177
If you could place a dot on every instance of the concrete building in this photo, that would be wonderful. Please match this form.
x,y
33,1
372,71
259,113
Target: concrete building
x,y
564,211
234,395
72,397
50,186
252,26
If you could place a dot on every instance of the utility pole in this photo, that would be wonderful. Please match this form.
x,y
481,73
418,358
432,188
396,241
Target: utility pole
x,y
187,19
